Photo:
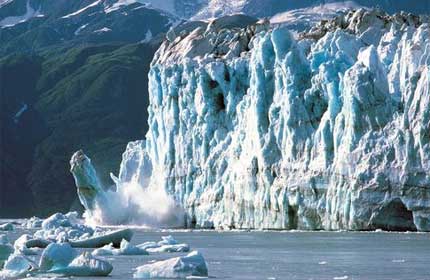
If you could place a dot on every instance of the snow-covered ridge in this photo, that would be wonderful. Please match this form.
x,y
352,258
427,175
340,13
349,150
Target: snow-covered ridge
x,y
14,20
250,127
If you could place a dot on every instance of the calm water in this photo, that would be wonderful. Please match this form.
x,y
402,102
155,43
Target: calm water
x,y
293,255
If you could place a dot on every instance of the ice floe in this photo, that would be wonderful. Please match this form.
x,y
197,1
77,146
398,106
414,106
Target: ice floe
x,y
192,264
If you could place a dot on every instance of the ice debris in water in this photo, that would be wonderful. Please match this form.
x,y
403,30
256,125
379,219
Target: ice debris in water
x,y
32,223
68,228
57,256
20,245
125,249
85,265
167,245
63,259
17,266
131,202
6,249
7,227
192,264
100,239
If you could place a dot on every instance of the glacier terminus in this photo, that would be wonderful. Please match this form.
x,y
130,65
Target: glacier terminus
x,y
253,126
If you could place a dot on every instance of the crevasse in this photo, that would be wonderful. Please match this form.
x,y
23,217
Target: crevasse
x,y
254,127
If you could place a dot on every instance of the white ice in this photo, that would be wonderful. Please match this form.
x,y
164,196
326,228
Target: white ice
x,y
192,264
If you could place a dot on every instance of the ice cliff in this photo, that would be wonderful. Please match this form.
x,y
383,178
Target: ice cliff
x,y
252,127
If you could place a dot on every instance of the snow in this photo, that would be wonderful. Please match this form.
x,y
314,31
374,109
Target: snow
x,y
82,27
20,112
148,37
14,20
192,264
94,4
102,30
301,19
118,4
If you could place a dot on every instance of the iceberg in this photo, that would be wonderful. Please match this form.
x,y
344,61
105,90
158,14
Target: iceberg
x,y
6,249
64,260
57,255
129,203
115,237
167,245
32,223
125,249
7,227
257,127
84,265
17,266
170,248
192,264
20,245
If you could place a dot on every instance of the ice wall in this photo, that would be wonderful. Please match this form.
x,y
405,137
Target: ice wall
x,y
252,127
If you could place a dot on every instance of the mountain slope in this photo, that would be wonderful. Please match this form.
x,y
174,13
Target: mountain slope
x,y
85,66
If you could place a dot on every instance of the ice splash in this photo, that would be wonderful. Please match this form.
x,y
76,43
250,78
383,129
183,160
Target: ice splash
x,y
132,201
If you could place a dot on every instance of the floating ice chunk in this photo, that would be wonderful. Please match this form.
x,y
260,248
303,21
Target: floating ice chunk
x,y
170,248
167,245
7,227
37,243
148,245
20,245
17,266
55,221
192,264
125,249
114,237
85,265
167,240
33,222
106,250
57,256
6,249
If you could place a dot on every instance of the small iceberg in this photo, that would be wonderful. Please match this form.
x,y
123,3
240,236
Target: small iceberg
x,y
85,265
63,259
32,223
17,266
7,227
20,245
57,255
125,249
167,245
170,248
97,241
192,264
6,249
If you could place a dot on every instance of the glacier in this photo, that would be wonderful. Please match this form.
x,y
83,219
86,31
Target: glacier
x,y
256,127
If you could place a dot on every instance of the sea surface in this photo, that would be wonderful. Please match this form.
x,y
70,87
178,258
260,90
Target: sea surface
x,y
290,254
